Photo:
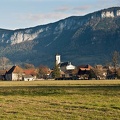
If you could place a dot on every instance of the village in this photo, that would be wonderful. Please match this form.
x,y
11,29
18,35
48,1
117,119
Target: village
x,y
61,71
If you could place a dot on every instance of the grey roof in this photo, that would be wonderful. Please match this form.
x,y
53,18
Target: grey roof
x,y
64,64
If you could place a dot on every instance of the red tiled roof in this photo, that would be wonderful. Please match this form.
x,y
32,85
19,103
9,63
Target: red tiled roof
x,y
31,71
84,68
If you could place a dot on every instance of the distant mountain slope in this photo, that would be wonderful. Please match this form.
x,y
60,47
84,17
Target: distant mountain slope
x,y
88,39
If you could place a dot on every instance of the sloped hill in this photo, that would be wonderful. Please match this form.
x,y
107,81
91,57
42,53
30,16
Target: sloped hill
x,y
88,39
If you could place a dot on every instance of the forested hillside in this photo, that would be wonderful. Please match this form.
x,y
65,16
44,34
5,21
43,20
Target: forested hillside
x,y
88,39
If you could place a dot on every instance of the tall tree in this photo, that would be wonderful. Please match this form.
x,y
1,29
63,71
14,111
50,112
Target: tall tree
x,y
115,61
92,74
56,71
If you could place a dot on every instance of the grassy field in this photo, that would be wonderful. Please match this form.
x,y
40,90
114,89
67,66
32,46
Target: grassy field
x,y
60,100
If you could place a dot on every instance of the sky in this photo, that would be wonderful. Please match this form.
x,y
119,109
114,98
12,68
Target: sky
x,y
16,14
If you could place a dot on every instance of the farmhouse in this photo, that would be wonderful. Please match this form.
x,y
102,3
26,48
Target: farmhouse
x,y
14,74
84,71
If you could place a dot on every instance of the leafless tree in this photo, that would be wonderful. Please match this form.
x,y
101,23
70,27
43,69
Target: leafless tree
x,y
115,62
27,65
3,62
43,71
115,59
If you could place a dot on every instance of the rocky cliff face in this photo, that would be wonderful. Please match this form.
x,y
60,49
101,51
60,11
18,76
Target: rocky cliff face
x,y
18,36
111,14
79,39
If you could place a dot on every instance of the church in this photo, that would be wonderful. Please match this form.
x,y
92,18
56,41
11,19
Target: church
x,y
65,67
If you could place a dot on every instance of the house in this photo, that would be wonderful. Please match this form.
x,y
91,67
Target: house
x,y
28,78
30,74
14,74
84,71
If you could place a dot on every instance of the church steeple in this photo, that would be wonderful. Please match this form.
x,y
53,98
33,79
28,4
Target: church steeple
x,y
57,59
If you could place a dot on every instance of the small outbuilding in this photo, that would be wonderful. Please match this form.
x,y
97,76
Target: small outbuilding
x,y
28,77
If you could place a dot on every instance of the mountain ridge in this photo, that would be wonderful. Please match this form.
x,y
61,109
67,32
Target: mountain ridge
x,y
86,38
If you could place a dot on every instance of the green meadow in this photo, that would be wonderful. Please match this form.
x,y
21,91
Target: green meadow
x,y
60,100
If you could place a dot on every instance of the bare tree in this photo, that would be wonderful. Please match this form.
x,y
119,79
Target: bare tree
x,y
115,59
115,62
27,65
3,62
43,71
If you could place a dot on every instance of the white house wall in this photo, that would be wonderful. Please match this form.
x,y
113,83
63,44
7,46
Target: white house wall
x,y
28,79
70,67
16,76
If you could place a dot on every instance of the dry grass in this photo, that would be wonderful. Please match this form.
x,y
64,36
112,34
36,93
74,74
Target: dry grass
x,y
60,83
60,100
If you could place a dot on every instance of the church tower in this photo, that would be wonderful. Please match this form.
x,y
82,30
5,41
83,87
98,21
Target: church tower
x,y
57,59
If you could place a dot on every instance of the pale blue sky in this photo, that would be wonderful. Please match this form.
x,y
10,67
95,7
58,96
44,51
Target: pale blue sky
x,y
15,14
